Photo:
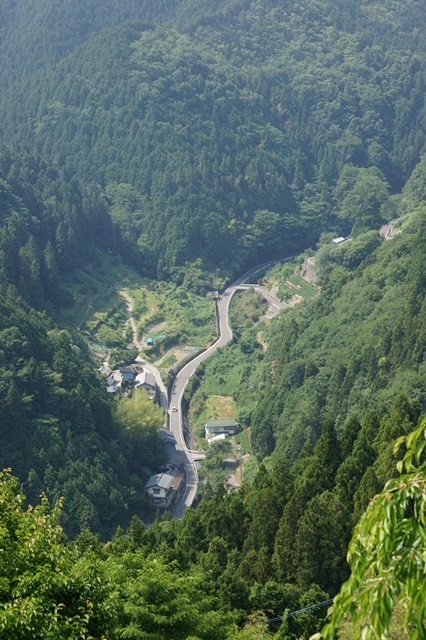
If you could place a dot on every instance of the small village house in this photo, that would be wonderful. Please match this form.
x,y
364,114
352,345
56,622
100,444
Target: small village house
x,y
228,427
134,375
165,488
146,380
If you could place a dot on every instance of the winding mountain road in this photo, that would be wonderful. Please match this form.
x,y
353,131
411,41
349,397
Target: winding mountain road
x,y
175,402
181,380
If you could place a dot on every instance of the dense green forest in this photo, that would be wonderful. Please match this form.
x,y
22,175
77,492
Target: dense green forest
x,y
195,578
361,343
188,139
230,132
57,426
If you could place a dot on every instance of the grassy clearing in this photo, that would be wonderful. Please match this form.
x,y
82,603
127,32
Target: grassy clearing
x,y
222,373
190,316
168,361
246,309
211,407
218,407
99,312
305,289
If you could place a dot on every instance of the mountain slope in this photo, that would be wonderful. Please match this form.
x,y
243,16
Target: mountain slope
x,y
57,430
244,135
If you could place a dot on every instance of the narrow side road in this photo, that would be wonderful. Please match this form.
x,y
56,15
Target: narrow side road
x,y
181,380
151,368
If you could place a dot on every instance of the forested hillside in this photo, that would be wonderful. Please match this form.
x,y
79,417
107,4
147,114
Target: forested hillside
x,y
240,567
171,133
356,345
57,428
360,345
236,137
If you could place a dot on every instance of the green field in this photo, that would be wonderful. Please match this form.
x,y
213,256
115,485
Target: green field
x,y
243,440
307,290
98,311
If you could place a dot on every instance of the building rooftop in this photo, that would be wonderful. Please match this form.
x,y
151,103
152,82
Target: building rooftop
x,y
105,370
166,436
145,378
126,370
177,481
220,423
161,480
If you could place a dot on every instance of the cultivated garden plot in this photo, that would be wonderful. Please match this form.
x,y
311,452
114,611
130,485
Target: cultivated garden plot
x,y
285,281
94,307
229,383
171,323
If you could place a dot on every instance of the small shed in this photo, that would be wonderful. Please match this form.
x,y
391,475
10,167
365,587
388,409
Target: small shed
x,y
220,436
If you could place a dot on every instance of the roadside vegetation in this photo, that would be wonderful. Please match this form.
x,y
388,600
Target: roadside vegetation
x,y
227,384
176,320
155,149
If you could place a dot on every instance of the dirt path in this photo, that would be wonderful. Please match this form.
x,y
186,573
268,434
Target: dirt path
x,y
146,365
130,304
388,231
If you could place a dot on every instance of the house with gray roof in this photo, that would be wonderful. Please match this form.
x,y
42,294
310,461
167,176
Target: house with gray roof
x,y
127,373
163,489
146,380
140,378
219,427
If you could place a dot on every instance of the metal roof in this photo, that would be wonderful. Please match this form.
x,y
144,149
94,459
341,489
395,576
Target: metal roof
x,y
126,370
145,377
221,436
166,436
177,481
220,423
161,480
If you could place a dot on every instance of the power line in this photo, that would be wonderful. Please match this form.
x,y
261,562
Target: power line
x,y
299,611
313,606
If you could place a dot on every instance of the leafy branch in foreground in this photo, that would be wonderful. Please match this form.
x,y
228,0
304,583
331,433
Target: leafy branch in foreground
x,y
46,589
388,554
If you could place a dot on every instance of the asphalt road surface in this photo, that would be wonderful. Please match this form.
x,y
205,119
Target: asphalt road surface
x,y
181,380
